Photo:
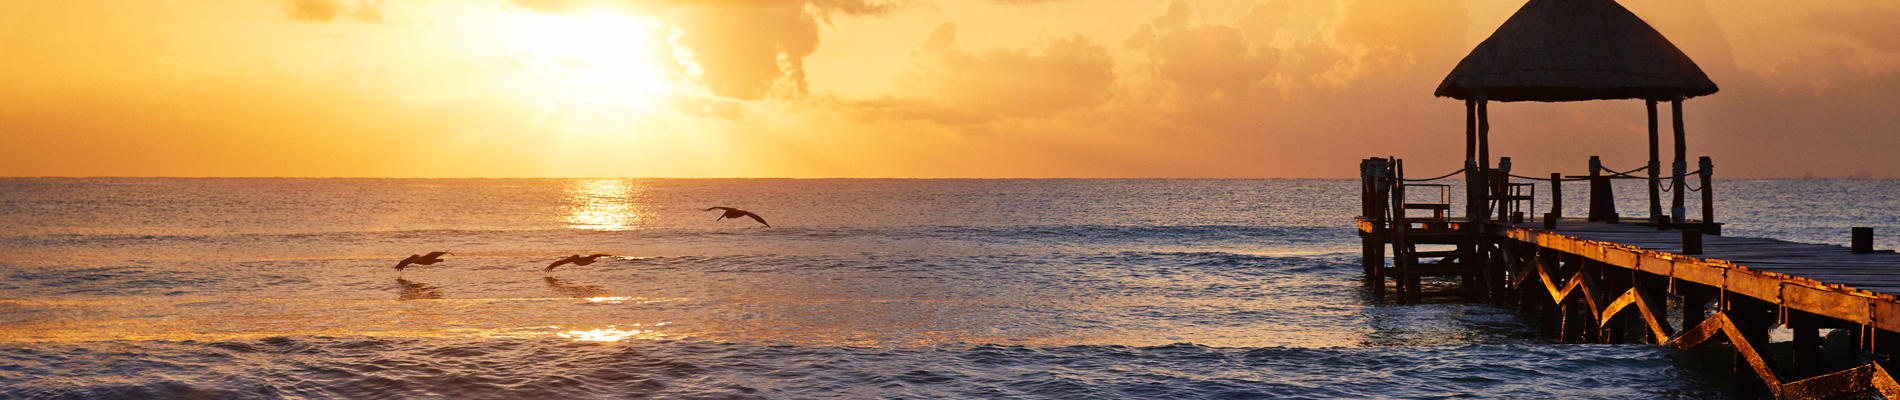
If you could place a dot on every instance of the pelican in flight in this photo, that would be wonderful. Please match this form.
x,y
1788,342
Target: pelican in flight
x,y
735,213
431,259
576,260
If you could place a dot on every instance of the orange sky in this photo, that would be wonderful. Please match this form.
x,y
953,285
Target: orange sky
x,y
904,88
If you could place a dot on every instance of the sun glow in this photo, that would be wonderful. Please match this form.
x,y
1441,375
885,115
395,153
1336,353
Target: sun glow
x,y
598,72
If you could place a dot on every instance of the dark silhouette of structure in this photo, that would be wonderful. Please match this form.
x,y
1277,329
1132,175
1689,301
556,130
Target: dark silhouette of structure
x,y
735,213
576,260
431,259
1577,50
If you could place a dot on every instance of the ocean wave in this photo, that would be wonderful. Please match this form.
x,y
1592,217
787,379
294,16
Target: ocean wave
x,y
360,367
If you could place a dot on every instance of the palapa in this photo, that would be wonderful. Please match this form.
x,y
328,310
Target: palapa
x,y
1572,50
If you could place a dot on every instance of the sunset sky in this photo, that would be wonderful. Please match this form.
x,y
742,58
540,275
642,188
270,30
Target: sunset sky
x,y
905,88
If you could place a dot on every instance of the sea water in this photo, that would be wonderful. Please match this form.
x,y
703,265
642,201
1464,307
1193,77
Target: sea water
x,y
860,288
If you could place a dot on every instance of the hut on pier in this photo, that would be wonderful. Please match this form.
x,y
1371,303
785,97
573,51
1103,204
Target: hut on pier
x,y
1575,50
1550,51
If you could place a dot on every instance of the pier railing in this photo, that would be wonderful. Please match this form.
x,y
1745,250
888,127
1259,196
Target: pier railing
x,y
1601,291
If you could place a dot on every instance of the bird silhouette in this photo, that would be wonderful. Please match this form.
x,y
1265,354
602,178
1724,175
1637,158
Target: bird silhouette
x,y
431,259
735,213
576,260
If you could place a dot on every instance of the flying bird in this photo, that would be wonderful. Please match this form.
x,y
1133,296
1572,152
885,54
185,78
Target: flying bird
x,y
735,213
576,260
431,259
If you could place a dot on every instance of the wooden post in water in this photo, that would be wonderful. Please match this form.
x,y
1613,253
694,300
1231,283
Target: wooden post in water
x,y
1806,344
1614,281
1752,318
1405,280
1691,241
1377,174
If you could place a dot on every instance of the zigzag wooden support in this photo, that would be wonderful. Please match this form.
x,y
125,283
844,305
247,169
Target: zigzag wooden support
x,y
1852,380
1582,285
1653,313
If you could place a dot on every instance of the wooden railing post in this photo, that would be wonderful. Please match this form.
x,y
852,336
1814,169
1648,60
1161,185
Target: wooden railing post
x,y
1557,194
1708,190
1602,200
1500,187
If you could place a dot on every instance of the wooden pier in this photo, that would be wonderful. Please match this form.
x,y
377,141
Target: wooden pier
x,y
1610,281
1603,278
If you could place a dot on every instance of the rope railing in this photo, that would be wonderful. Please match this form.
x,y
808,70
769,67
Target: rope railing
x,y
1548,179
1460,170
1616,176
1625,174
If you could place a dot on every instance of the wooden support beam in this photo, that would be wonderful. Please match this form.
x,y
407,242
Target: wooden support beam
x,y
1752,368
1471,132
1484,133
1655,164
1590,281
1681,164
1806,345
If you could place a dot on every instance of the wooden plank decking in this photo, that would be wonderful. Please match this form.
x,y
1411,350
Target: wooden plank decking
x,y
1822,279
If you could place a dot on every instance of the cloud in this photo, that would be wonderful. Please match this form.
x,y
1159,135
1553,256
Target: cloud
x,y
1203,62
744,49
1871,27
750,52
330,10
953,86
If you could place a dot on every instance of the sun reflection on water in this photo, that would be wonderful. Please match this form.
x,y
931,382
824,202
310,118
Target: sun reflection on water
x,y
605,204
612,333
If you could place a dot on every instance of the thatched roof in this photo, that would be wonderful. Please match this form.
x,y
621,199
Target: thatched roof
x,y
1570,50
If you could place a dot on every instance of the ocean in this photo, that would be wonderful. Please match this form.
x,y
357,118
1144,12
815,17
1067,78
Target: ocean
x,y
154,288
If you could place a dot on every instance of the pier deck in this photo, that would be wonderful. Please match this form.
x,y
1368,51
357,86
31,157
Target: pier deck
x,y
1877,272
1579,278
1824,280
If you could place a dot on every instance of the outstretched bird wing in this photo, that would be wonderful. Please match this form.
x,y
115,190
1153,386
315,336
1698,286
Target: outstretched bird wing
x,y
597,255
406,261
435,254
721,208
569,259
756,217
